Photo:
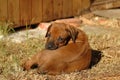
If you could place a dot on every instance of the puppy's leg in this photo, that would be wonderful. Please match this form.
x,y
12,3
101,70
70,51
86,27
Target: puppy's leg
x,y
33,62
82,63
58,69
52,68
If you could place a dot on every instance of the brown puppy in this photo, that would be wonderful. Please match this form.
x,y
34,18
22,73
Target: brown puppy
x,y
70,51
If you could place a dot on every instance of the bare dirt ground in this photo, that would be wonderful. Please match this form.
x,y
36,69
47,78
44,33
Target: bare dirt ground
x,y
103,37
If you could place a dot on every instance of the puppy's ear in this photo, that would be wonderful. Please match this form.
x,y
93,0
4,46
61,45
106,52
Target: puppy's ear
x,y
73,32
48,30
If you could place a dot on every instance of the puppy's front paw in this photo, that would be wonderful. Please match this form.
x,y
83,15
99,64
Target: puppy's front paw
x,y
41,71
26,65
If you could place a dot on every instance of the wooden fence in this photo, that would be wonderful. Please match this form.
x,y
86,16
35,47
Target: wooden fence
x,y
105,4
22,12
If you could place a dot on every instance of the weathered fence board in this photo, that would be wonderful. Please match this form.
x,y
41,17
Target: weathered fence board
x,y
22,12
47,10
36,11
77,7
25,11
85,4
3,10
57,9
13,11
105,4
67,8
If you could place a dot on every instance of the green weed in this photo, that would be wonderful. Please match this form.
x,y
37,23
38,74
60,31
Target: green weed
x,y
6,28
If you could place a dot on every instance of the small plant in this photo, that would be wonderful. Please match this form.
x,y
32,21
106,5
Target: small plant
x,y
28,27
6,28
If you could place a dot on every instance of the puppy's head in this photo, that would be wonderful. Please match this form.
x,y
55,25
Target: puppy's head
x,y
59,34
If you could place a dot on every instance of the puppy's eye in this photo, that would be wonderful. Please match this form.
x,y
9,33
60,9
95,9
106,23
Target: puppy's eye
x,y
60,39
48,35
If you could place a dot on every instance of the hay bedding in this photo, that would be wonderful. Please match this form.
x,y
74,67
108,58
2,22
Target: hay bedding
x,y
104,39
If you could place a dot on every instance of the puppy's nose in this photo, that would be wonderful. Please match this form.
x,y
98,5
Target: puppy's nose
x,y
50,46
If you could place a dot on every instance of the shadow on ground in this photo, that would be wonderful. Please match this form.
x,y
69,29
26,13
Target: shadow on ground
x,y
96,57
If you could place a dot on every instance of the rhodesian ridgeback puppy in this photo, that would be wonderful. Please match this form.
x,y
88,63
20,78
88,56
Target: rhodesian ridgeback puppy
x,y
66,50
